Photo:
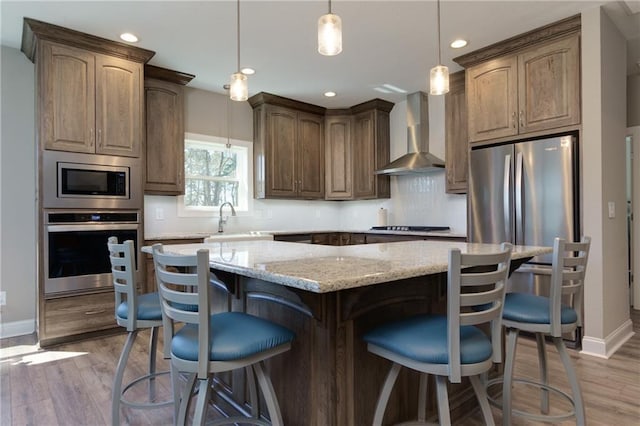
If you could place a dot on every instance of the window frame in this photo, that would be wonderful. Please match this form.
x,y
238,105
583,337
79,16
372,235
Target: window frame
x,y
244,207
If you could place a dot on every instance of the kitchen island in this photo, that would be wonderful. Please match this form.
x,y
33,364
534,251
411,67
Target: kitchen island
x,y
329,296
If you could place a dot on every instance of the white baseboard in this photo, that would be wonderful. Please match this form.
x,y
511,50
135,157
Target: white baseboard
x,y
17,328
604,348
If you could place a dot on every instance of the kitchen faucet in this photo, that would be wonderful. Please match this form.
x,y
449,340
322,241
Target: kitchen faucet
x,y
221,220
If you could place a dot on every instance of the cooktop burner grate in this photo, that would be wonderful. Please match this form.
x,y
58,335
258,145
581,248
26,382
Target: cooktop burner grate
x,y
410,228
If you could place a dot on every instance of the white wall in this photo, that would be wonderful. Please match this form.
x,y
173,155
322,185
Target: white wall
x,y
607,323
17,190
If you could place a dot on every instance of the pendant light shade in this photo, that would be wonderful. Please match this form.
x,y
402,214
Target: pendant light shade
x,y
329,34
439,80
238,87
439,75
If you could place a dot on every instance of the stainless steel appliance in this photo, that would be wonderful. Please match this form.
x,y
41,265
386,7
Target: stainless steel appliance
x,y
525,193
75,245
75,180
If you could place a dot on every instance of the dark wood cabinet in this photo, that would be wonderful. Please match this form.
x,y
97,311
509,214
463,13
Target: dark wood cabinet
x,y
338,160
527,84
89,102
371,149
456,140
288,148
164,142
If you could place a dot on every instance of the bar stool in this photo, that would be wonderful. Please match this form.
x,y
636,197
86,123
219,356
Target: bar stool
x,y
547,316
134,312
209,344
450,346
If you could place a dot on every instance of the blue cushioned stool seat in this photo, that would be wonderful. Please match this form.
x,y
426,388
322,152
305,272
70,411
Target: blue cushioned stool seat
x,y
424,339
148,307
235,335
530,308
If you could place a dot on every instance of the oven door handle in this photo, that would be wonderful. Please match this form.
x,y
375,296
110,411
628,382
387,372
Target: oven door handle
x,y
89,227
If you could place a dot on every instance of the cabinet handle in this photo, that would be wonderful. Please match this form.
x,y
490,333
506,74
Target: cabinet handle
x,y
521,118
91,137
513,119
94,312
100,137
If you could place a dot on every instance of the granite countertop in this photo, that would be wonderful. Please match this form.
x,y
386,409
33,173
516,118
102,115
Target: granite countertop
x,y
322,269
194,235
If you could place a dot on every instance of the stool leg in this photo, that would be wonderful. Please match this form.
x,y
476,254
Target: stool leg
x,y
185,399
544,376
269,394
512,339
481,394
153,346
422,397
200,414
385,392
116,391
573,380
253,392
443,400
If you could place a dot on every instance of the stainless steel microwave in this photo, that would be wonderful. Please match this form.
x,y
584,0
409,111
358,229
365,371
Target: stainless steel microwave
x,y
75,180
92,180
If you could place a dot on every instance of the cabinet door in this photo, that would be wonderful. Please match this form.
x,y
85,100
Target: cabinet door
x,y
457,146
338,168
364,155
119,94
164,144
281,152
310,156
492,99
67,101
549,85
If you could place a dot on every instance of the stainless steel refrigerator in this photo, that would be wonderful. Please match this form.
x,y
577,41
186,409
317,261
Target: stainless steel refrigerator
x,y
525,193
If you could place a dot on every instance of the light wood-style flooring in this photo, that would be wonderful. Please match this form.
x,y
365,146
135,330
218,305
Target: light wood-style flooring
x,y
71,384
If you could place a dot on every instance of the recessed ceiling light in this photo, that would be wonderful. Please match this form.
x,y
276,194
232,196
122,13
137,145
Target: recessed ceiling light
x,y
457,44
394,88
329,94
248,71
129,37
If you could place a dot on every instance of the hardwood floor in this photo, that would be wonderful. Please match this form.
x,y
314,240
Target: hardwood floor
x,y
71,384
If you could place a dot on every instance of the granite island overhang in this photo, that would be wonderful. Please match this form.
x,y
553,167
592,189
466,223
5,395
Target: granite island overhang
x,y
329,296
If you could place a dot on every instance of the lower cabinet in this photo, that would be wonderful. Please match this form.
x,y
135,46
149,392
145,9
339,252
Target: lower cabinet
x,y
67,317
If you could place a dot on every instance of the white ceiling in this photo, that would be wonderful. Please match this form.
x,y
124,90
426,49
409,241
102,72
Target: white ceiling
x,y
392,42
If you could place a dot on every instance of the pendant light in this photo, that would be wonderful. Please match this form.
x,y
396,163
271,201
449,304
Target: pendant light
x,y
439,76
329,34
238,87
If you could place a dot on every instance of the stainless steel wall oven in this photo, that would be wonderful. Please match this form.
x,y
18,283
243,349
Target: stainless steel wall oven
x,y
75,247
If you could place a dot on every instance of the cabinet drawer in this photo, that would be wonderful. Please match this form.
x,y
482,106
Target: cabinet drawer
x,y
79,314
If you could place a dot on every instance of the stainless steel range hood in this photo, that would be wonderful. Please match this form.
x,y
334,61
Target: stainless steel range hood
x,y
418,158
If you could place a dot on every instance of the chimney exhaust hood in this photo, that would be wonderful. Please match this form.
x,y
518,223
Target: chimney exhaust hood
x,y
418,158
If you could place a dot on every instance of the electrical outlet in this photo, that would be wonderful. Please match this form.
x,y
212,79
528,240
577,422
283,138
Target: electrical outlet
x,y
159,213
3,298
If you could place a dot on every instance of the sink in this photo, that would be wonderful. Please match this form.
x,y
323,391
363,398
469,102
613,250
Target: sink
x,y
247,236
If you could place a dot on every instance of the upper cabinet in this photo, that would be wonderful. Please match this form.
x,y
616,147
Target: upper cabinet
x,y
456,140
371,149
90,90
164,142
288,148
529,83
304,151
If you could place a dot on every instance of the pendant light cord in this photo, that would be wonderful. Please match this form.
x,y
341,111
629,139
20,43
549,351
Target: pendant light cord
x,y
329,7
238,28
439,52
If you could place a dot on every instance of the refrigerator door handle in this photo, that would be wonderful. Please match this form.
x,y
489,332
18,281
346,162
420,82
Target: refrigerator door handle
x,y
519,200
506,191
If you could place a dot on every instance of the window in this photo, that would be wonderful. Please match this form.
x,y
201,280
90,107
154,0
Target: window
x,y
215,173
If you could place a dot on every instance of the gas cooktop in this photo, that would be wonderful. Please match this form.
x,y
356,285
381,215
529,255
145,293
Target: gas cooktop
x,y
410,228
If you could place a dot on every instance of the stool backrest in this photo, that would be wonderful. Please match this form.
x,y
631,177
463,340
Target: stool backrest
x,y
569,266
124,283
476,291
183,282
